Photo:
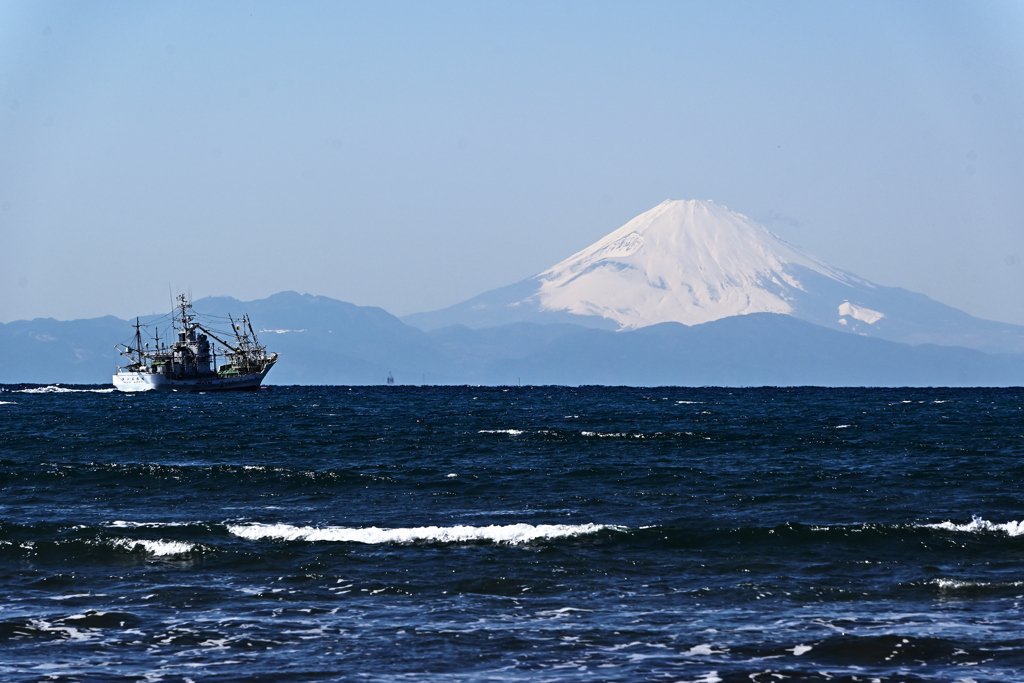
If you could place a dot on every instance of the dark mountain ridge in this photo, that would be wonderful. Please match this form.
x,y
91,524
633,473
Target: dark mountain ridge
x,y
325,341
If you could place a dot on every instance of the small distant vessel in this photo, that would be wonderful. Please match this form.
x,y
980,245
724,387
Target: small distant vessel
x,y
190,362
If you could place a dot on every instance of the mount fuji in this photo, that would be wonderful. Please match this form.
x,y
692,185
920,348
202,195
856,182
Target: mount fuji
x,y
694,262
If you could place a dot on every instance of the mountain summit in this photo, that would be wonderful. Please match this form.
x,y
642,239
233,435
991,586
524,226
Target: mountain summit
x,y
694,262
683,261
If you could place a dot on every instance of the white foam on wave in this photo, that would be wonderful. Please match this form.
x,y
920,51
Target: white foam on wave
x,y
950,584
709,677
68,632
72,596
561,612
58,389
706,649
613,435
510,432
8,403
977,524
120,524
510,534
158,548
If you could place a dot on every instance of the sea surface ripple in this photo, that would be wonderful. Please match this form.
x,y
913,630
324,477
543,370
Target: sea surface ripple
x,y
512,533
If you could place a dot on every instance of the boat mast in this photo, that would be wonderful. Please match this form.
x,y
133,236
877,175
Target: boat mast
x,y
138,340
184,315
249,323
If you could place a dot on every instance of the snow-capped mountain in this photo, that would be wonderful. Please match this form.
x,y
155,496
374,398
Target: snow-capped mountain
x,y
694,262
683,261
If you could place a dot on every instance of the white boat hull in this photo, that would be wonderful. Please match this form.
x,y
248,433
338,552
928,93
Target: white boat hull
x,y
126,380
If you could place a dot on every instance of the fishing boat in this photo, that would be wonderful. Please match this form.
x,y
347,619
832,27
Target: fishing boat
x,y
190,362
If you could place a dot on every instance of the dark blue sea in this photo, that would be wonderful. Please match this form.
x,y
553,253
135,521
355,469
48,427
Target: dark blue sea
x,y
512,534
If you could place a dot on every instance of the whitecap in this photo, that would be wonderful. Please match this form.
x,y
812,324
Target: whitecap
x,y
705,649
8,403
510,432
69,631
709,677
946,584
58,389
952,584
977,524
510,534
612,435
561,612
158,548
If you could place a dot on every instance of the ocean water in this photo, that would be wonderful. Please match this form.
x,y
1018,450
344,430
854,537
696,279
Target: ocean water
x,y
505,534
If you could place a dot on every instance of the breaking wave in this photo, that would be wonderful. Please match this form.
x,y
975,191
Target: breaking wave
x,y
978,524
158,548
952,584
58,389
511,534
614,435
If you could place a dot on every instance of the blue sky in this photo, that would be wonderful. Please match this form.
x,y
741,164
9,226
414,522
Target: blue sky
x,y
412,155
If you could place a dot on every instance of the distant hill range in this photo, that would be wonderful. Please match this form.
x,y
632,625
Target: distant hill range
x,y
687,293
694,262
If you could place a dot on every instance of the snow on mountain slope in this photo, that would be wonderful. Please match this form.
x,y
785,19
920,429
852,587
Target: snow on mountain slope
x,y
682,261
694,262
